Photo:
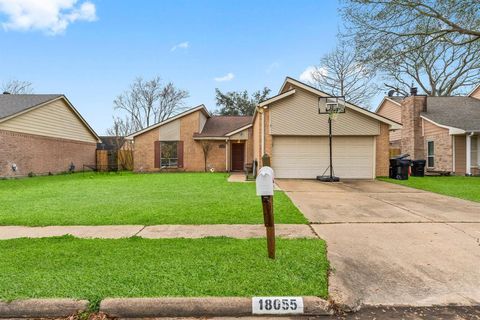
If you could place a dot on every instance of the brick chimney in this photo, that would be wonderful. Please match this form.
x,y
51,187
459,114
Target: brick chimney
x,y
412,139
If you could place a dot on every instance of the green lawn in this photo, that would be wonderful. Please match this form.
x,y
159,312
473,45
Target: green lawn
x,y
145,199
461,187
134,267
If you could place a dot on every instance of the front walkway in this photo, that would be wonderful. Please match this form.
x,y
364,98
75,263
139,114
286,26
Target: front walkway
x,y
240,231
393,245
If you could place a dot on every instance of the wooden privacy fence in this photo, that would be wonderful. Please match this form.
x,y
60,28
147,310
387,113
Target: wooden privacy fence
x,y
112,160
394,152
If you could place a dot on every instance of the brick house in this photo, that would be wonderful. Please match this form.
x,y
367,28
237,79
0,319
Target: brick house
x,y
442,130
177,143
290,129
41,134
287,127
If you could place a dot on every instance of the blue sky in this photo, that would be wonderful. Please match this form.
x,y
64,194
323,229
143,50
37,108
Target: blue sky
x,y
92,50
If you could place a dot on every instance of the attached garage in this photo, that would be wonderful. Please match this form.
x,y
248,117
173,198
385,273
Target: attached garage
x,y
290,129
308,157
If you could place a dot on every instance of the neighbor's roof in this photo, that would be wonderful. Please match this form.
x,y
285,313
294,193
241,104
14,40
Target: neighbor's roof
x,y
110,142
11,104
221,126
175,117
457,112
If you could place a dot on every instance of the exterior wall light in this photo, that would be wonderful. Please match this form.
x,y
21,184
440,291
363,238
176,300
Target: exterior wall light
x,y
14,167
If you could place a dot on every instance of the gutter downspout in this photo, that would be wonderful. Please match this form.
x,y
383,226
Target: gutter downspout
x,y
454,154
468,169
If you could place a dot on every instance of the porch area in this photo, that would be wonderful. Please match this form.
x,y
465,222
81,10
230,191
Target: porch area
x,y
466,154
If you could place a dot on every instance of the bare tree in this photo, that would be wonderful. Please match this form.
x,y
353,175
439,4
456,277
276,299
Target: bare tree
x,y
382,28
17,87
340,73
206,147
121,127
438,68
123,148
150,101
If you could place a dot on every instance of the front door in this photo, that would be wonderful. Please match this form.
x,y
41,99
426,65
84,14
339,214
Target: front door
x,y
238,156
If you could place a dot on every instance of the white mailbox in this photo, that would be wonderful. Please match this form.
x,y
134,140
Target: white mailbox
x,y
264,181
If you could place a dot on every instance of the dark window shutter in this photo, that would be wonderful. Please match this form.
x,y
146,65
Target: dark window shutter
x,y
180,154
156,151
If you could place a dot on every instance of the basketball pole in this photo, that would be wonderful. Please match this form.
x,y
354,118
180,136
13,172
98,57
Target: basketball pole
x,y
330,145
332,112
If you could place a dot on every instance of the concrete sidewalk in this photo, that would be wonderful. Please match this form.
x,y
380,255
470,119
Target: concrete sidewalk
x,y
240,231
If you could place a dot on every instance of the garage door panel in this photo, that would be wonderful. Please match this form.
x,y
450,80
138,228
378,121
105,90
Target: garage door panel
x,y
308,157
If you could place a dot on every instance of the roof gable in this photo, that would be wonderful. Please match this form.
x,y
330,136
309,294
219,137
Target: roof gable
x,y
475,92
290,84
200,108
13,106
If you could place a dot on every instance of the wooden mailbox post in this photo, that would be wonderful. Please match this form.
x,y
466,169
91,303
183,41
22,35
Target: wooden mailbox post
x,y
264,182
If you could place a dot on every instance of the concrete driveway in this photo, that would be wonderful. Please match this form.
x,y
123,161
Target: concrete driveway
x,y
393,245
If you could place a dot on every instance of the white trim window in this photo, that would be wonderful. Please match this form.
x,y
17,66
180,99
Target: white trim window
x,y
430,154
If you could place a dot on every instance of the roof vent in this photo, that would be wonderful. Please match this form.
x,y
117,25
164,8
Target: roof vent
x,y
6,92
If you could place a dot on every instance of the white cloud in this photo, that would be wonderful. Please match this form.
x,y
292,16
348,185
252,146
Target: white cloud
x,y
308,74
181,45
273,66
228,77
49,16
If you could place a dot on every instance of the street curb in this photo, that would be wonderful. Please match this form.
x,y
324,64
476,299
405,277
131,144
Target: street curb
x,y
196,307
42,308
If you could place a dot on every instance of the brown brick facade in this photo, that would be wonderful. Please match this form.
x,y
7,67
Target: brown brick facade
x,y
443,151
382,148
412,141
41,155
143,151
193,159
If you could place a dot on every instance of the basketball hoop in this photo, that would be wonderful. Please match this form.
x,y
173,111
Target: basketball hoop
x,y
332,106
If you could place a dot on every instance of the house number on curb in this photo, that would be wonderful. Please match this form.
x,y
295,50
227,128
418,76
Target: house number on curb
x,y
277,305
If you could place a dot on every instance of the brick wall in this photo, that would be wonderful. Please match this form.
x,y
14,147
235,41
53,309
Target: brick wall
x,y
412,141
143,151
193,158
442,143
193,154
216,156
41,155
382,155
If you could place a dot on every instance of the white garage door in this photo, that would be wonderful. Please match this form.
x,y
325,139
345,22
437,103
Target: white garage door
x,y
308,157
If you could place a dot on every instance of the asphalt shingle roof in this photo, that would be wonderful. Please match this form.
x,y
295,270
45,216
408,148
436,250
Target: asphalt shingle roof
x,y
11,104
219,126
457,112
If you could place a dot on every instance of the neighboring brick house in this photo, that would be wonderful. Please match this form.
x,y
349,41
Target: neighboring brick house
x,y
442,130
177,143
42,134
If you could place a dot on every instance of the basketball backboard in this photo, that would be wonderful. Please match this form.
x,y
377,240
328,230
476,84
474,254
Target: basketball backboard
x,y
329,105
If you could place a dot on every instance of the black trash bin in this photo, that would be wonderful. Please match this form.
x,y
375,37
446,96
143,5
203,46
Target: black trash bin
x,y
399,167
418,168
